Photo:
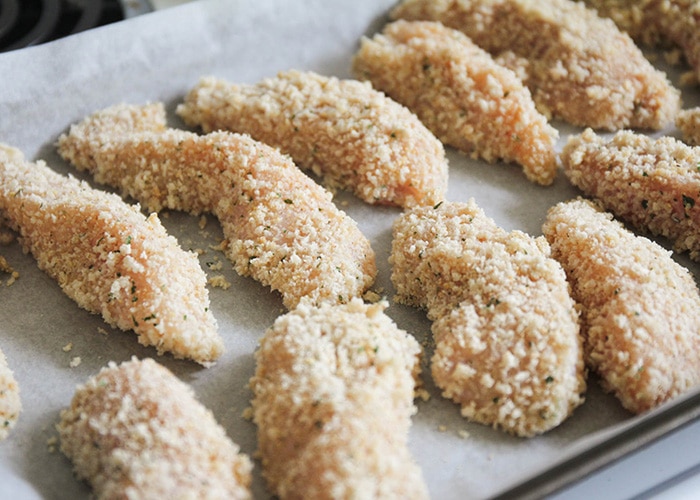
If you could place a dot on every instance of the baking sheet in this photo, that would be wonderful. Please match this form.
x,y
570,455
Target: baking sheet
x,y
159,57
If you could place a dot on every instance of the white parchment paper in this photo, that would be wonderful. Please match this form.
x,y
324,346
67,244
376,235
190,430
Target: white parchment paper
x,y
159,57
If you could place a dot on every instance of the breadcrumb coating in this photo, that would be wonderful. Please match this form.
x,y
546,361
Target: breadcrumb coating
x,y
350,135
281,228
658,23
640,309
461,94
688,122
505,327
10,402
579,67
135,430
110,259
653,184
333,402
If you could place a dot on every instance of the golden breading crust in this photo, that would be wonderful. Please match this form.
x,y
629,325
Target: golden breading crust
x,y
10,403
347,133
654,184
505,327
110,259
135,430
281,227
461,94
640,309
333,402
688,122
579,67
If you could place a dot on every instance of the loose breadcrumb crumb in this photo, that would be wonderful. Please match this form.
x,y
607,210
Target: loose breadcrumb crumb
x,y
640,309
68,347
578,66
654,184
281,227
219,281
688,122
135,430
10,403
462,95
333,403
507,345
347,133
110,259
75,362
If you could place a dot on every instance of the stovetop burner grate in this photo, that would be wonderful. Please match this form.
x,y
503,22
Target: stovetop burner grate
x,y
30,22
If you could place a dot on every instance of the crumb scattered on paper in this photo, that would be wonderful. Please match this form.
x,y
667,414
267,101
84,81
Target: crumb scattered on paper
x,y
219,281
75,362
68,347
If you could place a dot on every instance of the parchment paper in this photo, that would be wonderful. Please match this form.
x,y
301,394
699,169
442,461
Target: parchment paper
x,y
160,56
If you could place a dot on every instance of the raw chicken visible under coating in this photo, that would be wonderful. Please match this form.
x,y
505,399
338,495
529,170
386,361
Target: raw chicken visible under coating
x,y
654,184
110,259
461,94
688,122
658,22
334,390
640,309
135,430
10,403
347,133
579,67
505,327
281,227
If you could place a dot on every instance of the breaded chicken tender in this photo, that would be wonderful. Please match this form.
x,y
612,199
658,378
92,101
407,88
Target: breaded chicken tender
x,y
110,259
688,122
658,23
579,67
281,228
333,400
350,135
640,309
461,94
653,184
10,402
507,345
135,430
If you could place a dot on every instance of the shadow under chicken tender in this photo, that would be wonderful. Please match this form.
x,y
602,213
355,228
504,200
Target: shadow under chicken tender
x,y
334,389
654,184
461,94
352,136
110,259
10,402
507,345
640,309
281,227
579,67
135,430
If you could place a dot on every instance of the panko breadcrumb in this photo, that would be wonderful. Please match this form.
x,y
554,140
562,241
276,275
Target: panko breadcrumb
x,y
135,430
333,403
579,67
640,309
10,402
281,227
653,184
462,95
688,122
507,345
110,259
347,133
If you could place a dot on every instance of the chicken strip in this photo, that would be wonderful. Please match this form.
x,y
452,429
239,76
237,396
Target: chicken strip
x,y
353,137
110,259
653,184
506,331
462,95
10,402
281,227
688,122
579,67
640,309
333,400
135,430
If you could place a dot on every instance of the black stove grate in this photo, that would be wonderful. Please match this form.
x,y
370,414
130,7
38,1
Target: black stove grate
x,y
30,22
